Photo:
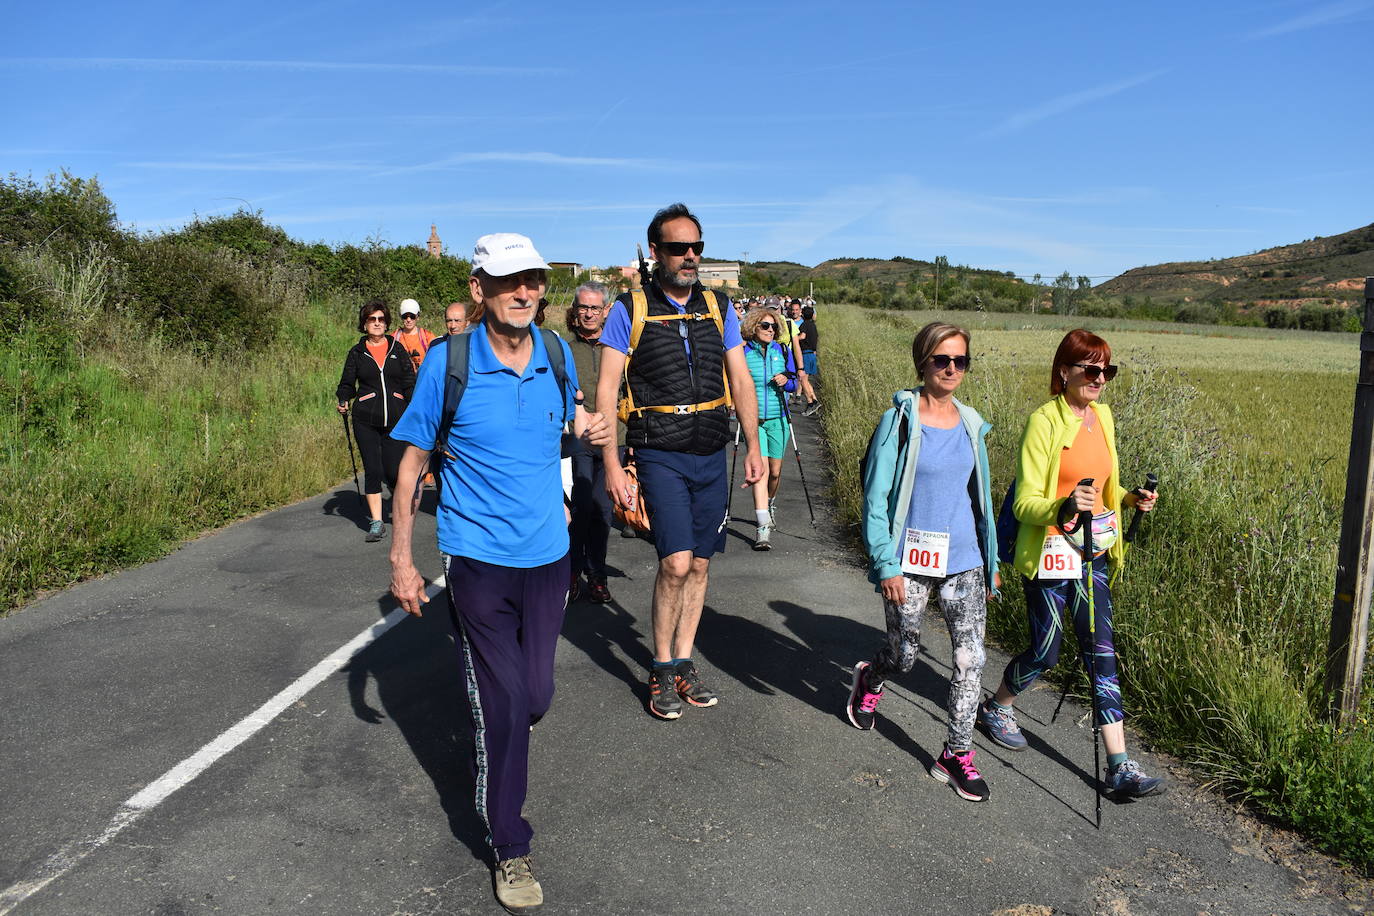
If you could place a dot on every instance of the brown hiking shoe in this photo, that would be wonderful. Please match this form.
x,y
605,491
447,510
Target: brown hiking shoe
x,y
516,887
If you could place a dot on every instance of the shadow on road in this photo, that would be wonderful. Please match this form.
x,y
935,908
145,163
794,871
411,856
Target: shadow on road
x,y
419,681
599,629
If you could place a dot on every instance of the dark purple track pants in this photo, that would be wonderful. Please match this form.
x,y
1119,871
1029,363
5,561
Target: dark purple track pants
x,y
507,622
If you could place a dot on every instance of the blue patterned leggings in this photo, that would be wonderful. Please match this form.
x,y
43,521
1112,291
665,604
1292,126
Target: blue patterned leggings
x,y
1045,600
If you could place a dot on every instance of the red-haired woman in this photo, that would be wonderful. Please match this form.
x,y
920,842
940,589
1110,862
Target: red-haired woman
x,y
1066,441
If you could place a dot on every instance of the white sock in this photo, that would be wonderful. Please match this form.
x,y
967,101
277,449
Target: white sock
x,y
762,516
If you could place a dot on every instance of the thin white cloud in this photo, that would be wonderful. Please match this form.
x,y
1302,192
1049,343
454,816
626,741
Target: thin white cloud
x,y
245,165
1072,100
1330,14
460,160
298,66
1103,197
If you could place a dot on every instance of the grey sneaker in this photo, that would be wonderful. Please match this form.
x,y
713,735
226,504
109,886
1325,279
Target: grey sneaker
x,y
1127,780
812,409
663,701
375,531
516,887
1001,727
690,687
763,540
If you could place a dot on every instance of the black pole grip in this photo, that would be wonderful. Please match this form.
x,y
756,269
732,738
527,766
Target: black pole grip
x,y
1151,484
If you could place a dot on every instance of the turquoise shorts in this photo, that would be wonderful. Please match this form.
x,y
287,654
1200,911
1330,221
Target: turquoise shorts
x,y
773,437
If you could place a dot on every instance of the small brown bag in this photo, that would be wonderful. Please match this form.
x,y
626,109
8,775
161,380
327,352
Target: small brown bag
x,y
637,516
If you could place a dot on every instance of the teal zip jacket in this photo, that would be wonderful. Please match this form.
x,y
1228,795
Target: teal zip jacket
x,y
890,472
763,365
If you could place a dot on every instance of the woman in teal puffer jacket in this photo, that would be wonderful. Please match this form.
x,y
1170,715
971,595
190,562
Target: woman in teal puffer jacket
x,y
775,374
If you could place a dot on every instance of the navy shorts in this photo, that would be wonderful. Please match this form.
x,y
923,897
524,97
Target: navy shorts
x,y
686,496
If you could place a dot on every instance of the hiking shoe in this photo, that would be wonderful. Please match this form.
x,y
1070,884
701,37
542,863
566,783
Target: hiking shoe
x,y
689,685
1001,726
375,531
629,532
597,592
862,707
516,887
812,409
575,588
1127,780
663,701
958,770
763,540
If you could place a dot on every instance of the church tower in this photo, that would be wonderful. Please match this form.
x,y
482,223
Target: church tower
x,y
435,246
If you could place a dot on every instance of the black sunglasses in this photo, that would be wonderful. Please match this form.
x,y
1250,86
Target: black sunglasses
x,y
941,362
678,249
767,324
1091,372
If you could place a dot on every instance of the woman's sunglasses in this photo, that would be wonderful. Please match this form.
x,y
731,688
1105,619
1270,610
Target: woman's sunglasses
x,y
942,362
767,326
1092,373
678,249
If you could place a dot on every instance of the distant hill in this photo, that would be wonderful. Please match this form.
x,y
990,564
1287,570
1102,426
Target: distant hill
x,y
1332,268
897,270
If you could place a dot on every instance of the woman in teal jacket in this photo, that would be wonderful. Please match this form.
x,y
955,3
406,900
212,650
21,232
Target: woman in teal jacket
x,y
929,531
775,374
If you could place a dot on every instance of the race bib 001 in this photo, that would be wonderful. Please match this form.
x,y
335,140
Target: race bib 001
x,y
925,553
1060,559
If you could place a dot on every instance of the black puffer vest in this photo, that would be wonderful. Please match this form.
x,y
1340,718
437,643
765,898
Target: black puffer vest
x,y
660,373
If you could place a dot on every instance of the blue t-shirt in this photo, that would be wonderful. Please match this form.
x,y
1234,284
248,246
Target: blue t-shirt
x,y
502,496
940,499
616,333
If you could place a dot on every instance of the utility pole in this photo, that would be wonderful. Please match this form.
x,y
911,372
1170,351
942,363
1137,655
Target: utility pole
x,y
1350,611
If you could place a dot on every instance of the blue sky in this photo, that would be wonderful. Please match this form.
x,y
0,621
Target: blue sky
x,y
1088,137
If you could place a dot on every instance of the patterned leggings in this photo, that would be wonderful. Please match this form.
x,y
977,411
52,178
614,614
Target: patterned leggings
x,y
1045,600
963,602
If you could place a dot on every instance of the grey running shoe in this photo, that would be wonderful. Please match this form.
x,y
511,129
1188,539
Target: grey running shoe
x,y
516,887
1001,726
812,409
690,687
958,770
375,531
663,701
763,540
862,707
1127,780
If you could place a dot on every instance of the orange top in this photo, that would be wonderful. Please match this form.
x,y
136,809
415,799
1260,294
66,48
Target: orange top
x,y
1087,457
416,344
378,351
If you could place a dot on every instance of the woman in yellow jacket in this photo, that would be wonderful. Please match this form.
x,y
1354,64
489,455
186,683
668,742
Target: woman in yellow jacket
x,y
1068,440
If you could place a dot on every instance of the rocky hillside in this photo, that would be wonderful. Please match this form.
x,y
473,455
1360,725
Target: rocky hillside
x,y
1330,268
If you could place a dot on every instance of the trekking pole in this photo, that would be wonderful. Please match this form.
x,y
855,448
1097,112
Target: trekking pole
x,y
734,462
1085,521
348,437
801,472
1151,484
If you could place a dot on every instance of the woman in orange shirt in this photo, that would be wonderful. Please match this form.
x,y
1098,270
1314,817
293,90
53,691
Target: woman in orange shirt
x,y
1070,439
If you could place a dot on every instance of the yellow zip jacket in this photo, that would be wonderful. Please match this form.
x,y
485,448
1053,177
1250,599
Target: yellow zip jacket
x,y
1051,429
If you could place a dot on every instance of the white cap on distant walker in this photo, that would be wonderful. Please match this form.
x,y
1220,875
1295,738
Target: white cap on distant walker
x,y
409,307
501,254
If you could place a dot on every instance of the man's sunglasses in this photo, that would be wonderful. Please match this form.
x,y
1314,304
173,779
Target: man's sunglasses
x,y
942,361
1092,373
678,249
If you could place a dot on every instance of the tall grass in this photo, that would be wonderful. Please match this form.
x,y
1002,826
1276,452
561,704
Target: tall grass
x,y
1222,612
118,451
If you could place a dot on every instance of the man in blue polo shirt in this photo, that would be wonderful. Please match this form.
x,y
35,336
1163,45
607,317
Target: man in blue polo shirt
x,y
502,528
678,376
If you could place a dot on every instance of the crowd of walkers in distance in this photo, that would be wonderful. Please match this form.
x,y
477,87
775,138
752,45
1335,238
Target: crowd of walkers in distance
x,y
536,440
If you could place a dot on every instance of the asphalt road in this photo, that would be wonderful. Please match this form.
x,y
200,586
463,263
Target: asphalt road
x,y
356,797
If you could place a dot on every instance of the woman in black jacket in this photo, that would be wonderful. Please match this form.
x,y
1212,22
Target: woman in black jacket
x,y
378,372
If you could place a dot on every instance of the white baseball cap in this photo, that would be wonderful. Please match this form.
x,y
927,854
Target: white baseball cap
x,y
501,254
410,307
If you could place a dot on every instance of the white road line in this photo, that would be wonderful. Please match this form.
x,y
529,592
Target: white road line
x,y
157,791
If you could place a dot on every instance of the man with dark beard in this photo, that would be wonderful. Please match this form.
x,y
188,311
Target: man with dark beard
x,y
678,348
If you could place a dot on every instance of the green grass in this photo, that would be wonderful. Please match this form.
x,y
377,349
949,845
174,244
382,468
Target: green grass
x,y
1223,610
117,455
